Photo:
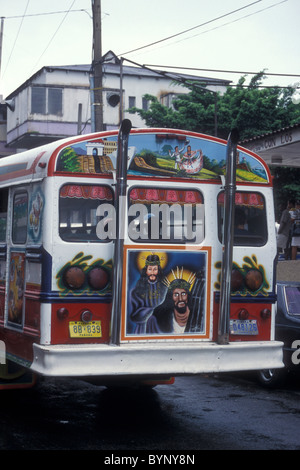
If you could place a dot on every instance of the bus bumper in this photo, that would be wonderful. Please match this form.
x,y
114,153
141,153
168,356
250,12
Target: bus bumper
x,y
154,358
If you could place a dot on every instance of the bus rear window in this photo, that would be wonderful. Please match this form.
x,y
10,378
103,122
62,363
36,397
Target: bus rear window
x,y
159,215
78,205
250,226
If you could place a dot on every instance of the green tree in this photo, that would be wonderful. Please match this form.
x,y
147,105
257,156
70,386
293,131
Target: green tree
x,y
251,109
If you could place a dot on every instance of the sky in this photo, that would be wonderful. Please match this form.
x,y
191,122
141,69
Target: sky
x,y
234,37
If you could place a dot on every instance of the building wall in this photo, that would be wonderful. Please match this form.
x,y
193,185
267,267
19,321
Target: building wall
x,y
25,127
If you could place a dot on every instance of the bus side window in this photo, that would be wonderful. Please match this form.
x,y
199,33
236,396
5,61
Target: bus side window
x,y
3,213
20,217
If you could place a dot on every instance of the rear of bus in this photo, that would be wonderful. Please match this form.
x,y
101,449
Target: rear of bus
x,y
169,262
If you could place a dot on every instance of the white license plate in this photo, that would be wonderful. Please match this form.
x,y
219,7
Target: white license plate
x,y
243,327
80,329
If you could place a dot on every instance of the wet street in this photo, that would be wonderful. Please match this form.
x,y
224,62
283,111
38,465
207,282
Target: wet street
x,y
196,413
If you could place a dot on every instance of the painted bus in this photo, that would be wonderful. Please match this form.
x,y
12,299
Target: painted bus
x,y
136,255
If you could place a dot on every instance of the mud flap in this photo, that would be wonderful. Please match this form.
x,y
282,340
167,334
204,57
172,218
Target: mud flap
x,y
153,383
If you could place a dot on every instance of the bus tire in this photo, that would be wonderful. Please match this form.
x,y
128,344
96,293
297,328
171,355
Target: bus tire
x,y
271,378
14,376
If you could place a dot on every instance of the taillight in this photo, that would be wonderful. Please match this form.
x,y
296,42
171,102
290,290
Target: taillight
x,y
62,313
74,277
98,278
237,280
265,313
243,314
253,279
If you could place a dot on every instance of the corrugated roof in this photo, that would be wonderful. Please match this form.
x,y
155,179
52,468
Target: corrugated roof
x,y
111,68
277,131
114,69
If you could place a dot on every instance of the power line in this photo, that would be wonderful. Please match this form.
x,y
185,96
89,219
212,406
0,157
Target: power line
x,y
45,13
188,81
190,29
223,71
53,36
11,52
233,21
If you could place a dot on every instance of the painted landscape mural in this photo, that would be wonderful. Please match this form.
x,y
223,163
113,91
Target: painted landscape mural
x,y
164,155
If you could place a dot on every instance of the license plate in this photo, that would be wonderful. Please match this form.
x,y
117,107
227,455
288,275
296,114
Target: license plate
x,y
243,327
79,329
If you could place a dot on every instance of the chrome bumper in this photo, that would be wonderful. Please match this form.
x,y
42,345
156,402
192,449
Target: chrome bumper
x,y
147,359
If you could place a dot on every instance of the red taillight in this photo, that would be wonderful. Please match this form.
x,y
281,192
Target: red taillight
x,y
74,277
98,278
243,314
265,313
62,313
253,279
237,280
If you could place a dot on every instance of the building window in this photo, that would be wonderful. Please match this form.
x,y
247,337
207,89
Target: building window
x,y
132,102
145,104
54,100
46,100
38,100
167,99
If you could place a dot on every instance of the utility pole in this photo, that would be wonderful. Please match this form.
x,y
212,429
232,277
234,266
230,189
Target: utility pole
x,y
1,40
97,106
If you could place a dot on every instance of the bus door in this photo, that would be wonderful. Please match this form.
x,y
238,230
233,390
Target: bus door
x,y
165,267
3,249
23,279
15,285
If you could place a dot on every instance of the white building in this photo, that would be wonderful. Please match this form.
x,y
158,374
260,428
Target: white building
x,y
57,102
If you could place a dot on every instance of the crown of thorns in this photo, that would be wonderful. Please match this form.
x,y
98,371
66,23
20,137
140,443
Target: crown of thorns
x,y
178,281
153,260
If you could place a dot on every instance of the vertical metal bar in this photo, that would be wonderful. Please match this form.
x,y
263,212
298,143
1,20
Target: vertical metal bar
x,y
97,65
92,98
121,91
120,213
79,120
229,202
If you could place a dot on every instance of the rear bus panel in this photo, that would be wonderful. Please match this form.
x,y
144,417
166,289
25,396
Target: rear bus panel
x,y
64,322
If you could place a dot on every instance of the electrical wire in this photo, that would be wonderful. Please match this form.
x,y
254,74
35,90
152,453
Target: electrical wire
x,y
46,13
16,38
190,29
53,36
179,78
222,71
228,23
